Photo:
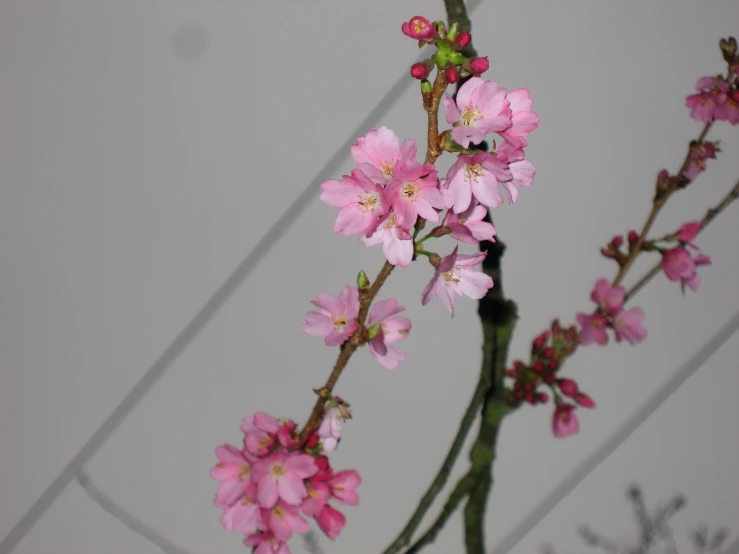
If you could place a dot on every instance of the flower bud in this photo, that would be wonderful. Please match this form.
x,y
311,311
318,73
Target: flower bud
x,y
435,260
617,241
633,237
419,28
420,71
463,39
426,87
568,387
440,231
728,49
451,74
453,31
584,400
479,65
542,397
362,281
374,330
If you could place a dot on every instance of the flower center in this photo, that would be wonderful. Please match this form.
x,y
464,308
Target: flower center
x,y
340,321
470,116
409,191
449,276
278,512
419,26
390,223
313,493
474,171
369,202
277,470
387,169
245,471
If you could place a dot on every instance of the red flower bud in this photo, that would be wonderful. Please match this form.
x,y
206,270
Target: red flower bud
x,y
451,74
312,441
568,387
548,352
463,39
479,65
543,397
585,401
617,241
419,28
633,237
537,366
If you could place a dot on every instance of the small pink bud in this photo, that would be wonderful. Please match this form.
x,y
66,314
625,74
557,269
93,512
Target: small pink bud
x,y
548,352
479,65
605,252
540,340
421,70
568,387
464,39
617,241
633,237
451,74
584,400
419,28
543,397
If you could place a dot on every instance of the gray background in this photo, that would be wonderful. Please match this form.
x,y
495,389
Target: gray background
x,y
146,147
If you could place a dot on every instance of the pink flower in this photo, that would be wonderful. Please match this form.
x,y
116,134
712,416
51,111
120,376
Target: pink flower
x,y
609,299
337,319
481,108
523,118
712,93
397,245
697,156
283,519
476,175
379,152
695,279
414,191
330,429
343,486
266,543
678,264
456,276
468,226
628,326
280,476
729,110
243,515
331,522
688,232
319,492
593,328
393,329
522,171
233,471
564,421
361,201
419,28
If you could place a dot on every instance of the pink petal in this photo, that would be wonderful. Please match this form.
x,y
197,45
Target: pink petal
x,y
382,310
302,465
331,522
292,489
317,325
340,193
267,493
451,111
328,303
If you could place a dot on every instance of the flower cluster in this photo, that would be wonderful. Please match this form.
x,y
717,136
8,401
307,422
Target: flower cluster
x,y
336,321
678,263
717,98
267,484
548,352
627,325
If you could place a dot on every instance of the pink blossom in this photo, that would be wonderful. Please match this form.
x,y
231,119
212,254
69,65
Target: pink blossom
x,y
468,226
378,153
233,471
678,264
593,328
523,118
266,543
688,232
244,514
337,317
361,201
481,108
414,191
477,176
397,245
343,486
628,326
283,519
609,299
331,522
393,328
330,429
522,171
729,109
419,28
697,156
712,93
280,476
319,492
564,421
455,276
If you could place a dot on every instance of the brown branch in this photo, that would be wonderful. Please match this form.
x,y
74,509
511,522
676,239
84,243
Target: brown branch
x,y
659,201
708,218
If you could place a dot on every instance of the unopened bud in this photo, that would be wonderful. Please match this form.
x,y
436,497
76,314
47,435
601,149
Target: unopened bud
x,y
479,65
440,231
420,70
728,49
426,87
362,281
585,401
539,341
440,29
463,39
435,260
453,31
451,74
543,397
617,241
374,330
568,387
633,237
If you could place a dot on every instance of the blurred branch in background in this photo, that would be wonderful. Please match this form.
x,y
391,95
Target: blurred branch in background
x,y
654,532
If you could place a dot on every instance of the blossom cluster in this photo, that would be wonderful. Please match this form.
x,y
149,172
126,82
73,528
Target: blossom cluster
x,y
270,483
548,352
717,97
626,324
678,263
